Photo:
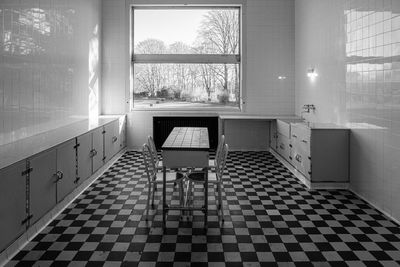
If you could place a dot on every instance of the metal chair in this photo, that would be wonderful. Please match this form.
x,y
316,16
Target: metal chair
x,y
213,163
152,146
214,177
155,177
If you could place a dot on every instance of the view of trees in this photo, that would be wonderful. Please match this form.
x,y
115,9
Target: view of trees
x,y
202,83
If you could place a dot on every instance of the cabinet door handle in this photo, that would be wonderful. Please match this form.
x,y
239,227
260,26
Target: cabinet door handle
x,y
304,141
77,180
114,139
281,146
59,175
93,153
293,135
298,158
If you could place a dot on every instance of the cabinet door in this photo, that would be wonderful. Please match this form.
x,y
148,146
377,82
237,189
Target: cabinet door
x,y
273,136
283,147
12,203
98,149
66,169
84,157
111,139
42,183
122,133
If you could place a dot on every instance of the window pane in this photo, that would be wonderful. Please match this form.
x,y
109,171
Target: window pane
x,y
186,85
186,31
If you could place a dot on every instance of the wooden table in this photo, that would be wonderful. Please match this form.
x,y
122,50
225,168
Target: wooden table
x,y
186,147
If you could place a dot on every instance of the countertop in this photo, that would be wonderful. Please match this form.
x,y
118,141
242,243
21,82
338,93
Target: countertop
x,y
24,148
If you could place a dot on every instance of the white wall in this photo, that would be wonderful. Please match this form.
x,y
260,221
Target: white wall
x,y
44,64
355,48
269,45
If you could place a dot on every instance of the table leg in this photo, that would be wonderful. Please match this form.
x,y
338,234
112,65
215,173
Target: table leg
x,y
164,193
205,197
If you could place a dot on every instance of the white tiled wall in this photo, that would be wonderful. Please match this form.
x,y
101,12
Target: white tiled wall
x,y
355,48
45,74
269,39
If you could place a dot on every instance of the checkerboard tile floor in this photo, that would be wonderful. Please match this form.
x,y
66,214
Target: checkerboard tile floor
x,y
271,219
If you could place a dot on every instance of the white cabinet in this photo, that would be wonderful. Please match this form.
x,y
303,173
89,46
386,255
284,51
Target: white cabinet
x,y
97,152
321,152
32,187
111,140
84,143
12,203
122,132
43,182
273,135
66,169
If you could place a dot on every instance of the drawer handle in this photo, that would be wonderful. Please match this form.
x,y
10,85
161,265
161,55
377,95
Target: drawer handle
x,y
293,135
114,139
304,141
290,145
298,158
282,146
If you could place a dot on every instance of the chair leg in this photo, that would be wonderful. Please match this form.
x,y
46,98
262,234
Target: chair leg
x,y
152,197
148,202
221,206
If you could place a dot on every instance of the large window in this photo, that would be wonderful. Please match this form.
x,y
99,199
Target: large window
x,y
186,57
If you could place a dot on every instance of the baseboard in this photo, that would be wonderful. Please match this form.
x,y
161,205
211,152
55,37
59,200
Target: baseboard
x,y
390,217
305,181
37,227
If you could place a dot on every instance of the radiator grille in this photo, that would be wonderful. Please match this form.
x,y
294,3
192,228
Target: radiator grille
x,y
162,126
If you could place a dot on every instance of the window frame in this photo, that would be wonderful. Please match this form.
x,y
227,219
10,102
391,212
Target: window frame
x,y
187,58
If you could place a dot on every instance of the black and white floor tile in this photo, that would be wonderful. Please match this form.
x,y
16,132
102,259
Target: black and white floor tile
x,y
270,219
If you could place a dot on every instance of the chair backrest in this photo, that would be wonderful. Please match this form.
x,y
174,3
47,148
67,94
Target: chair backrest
x,y
153,149
220,147
221,162
149,162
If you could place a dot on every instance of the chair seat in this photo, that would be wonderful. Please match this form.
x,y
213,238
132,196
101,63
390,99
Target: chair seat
x,y
171,177
199,177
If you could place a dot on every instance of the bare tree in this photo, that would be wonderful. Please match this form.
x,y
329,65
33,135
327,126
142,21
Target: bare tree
x,y
150,77
220,32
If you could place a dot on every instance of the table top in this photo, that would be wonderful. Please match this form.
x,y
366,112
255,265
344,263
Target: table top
x,y
187,138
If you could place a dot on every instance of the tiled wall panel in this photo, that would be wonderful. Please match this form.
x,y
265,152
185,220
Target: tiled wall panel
x,y
45,53
355,48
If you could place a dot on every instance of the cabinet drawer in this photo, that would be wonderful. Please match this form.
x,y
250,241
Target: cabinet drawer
x,y
283,128
302,162
300,134
283,147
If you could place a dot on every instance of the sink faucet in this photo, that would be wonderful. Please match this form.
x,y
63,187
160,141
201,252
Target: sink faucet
x,y
307,108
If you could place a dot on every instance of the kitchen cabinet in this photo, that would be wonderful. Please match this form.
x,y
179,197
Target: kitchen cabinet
x,y
111,140
97,152
273,135
43,181
84,154
12,203
32,186
66,177
319,151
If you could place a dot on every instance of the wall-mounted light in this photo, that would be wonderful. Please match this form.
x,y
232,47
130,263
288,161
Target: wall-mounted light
x,y
281,77
312,74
